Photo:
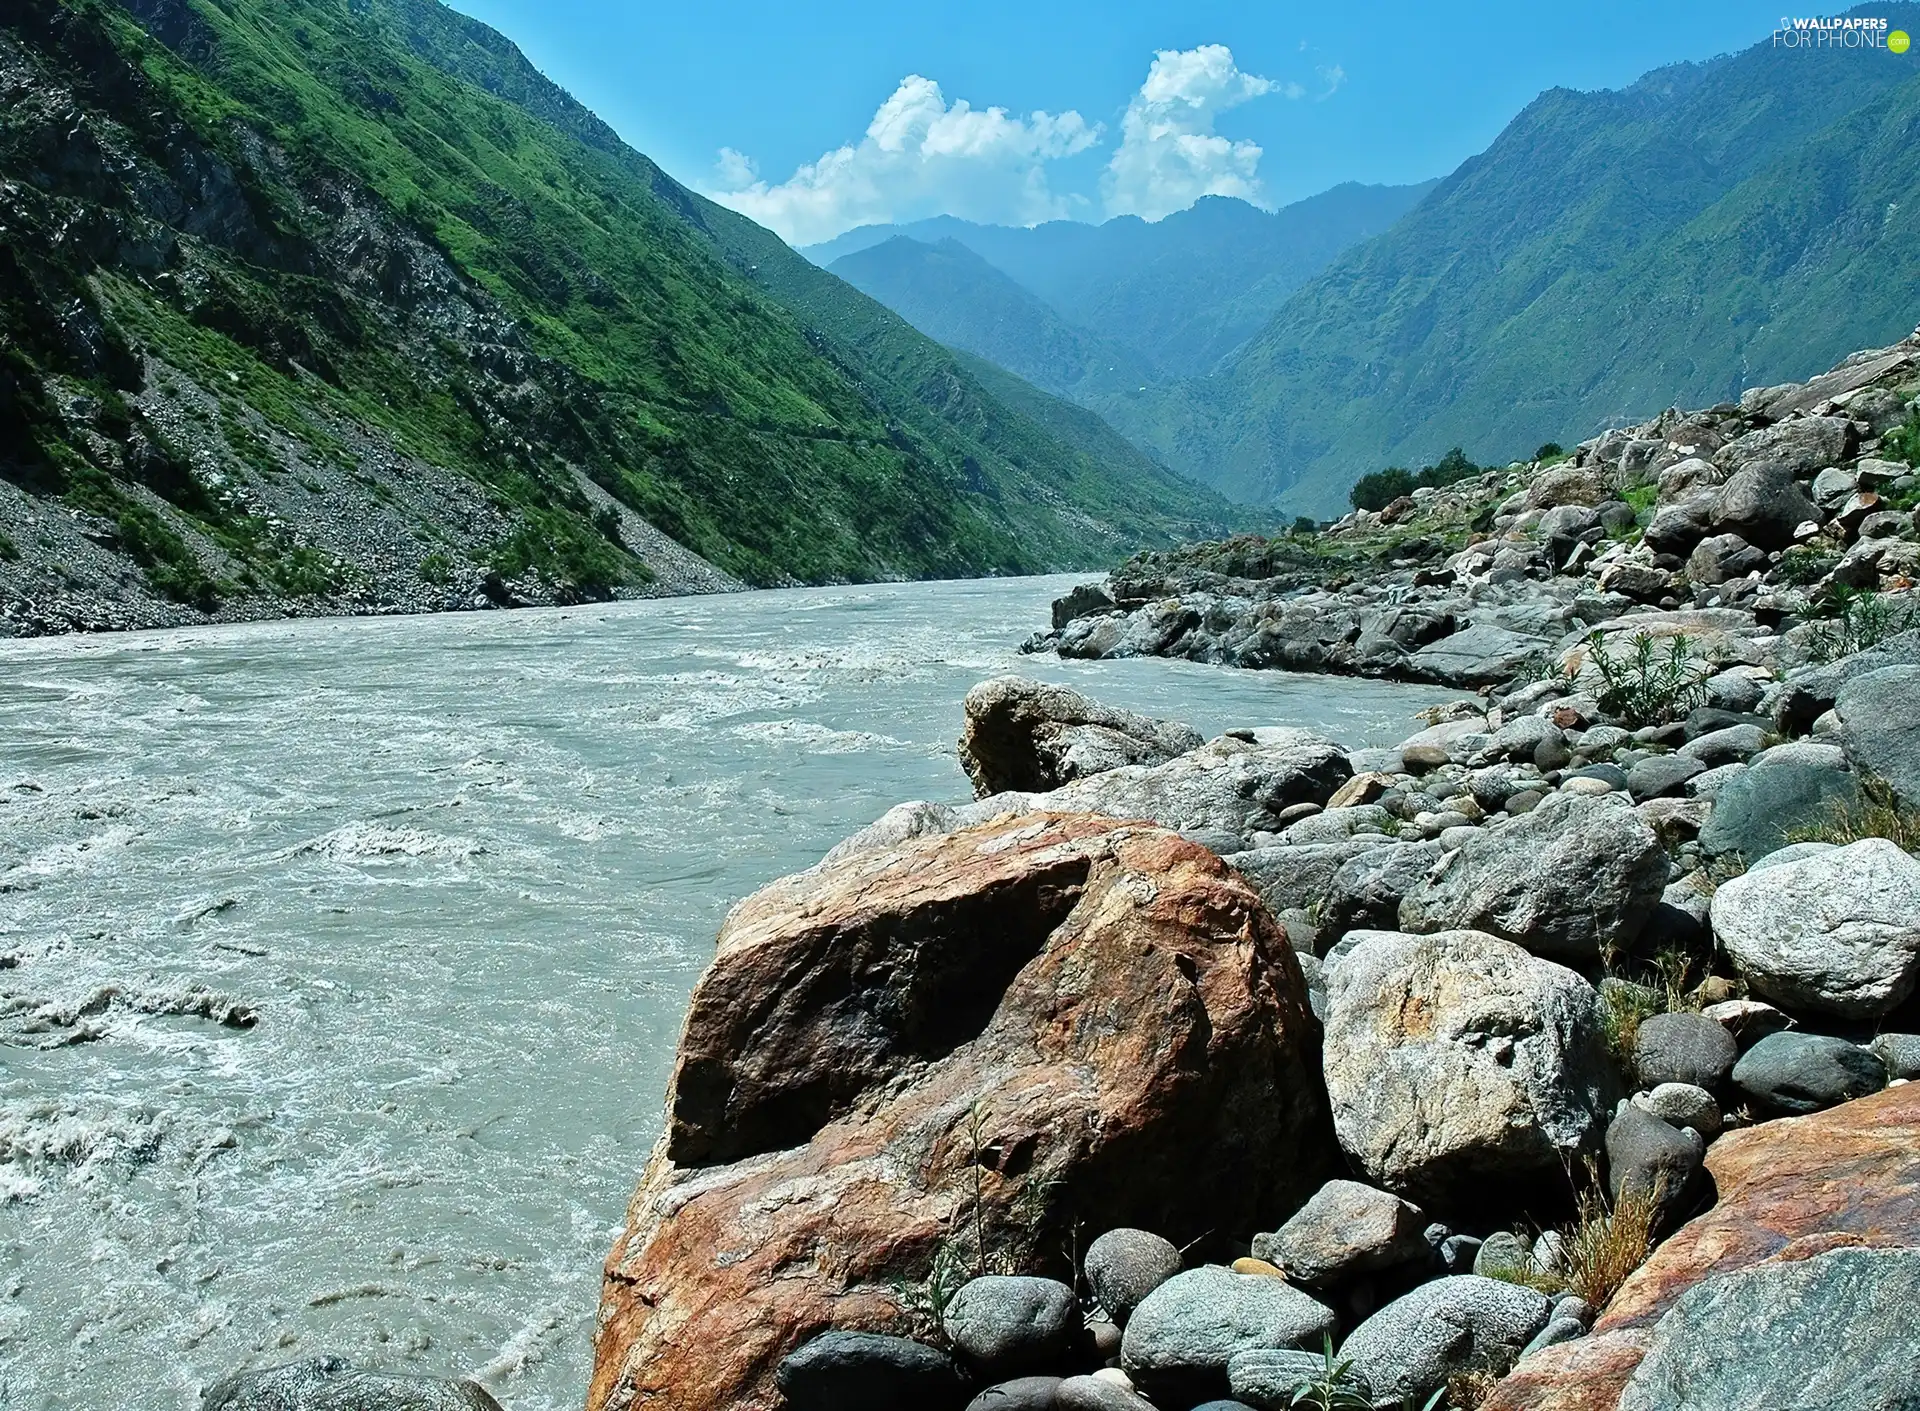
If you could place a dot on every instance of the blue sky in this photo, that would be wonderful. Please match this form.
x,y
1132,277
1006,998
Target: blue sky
x,y
1267,99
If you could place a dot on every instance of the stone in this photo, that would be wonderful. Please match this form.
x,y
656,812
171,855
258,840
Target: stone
x,y
1246,1264
1483,654
1004,1323
1124,1266
1879,715
1180,1339
1057,1011
1459,1253
845,1371
1763,506
1366,891
1081,601
1236,786
1503,1251
1458,1064
334,1384
1346,1229
1662,775
1362,788
1731,745
1835,933
1748,1020
1407,1349
1678,525
1297,878
1098,1393
1795,449
1648,1158
1786,788
1570,878
1792,852
1721,557
1787,1190
1030,735
1019,1394
1266,1378
1800,1073
1838,1329
1557,1331
1683,1105
1683,1048
1803,697
1900,1052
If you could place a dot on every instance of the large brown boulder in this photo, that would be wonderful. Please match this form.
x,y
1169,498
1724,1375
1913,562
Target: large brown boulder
x,y
1021,1034
1031,736
1788,1190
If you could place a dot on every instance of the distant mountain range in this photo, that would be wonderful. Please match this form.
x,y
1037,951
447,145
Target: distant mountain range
x,y
1714,226
315,305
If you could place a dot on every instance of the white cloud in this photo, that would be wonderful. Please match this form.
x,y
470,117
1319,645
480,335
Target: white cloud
x,y
1333,76
921,156
1169,154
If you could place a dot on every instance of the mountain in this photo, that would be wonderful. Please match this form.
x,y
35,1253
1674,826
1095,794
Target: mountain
x,y
1714,226
312,305
1179,294
951,294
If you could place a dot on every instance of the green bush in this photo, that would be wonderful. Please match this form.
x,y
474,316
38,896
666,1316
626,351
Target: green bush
x,y
1383,487
1858,620
1903,442
1644,685
1549,451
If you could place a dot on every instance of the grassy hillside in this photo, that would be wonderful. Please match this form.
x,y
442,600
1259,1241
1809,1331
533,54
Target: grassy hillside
x,y
1710,227
366,241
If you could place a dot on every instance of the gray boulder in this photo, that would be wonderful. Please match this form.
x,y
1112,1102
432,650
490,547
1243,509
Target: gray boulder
x,y
1236,786
1502,1252
1763,506
1004,1323
1880,728
1900,1052
1345,1229
1683,1105
1661,775
1407,1349
1484,654
1679,525
1683,1048
1124,1266
1808,694
334,1384
1184,1333
1726,746
1834,933
1098,1394
1566,880
1785,788
1459,1061
1367,889
1020,1394
1267,1379
1029,735
843,1371
1797,449
1290,878
1796,1074
1841,1329
1646,1157
1720,557
1557,1331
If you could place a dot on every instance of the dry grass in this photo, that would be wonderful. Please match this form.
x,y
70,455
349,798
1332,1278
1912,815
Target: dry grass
x,y
1467,1388
1875,815
1604,1243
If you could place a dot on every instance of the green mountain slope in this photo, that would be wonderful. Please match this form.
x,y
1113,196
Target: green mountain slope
x,y
1178,294
1611,253
951,294
259,242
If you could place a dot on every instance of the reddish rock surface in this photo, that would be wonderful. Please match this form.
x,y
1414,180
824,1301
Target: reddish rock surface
x,y
1091,1024
1787,1190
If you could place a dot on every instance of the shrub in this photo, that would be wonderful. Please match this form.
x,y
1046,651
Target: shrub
x,y
1334,1386
1644,685
1858,620
1303,525
1603,1244
1903,442
1802,566
1548,451
1383,487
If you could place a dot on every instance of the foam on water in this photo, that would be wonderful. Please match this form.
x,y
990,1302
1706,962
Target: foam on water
x,y
341,962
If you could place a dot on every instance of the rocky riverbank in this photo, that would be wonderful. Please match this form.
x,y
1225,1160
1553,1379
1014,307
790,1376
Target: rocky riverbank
x,y
1509,1067
1771,517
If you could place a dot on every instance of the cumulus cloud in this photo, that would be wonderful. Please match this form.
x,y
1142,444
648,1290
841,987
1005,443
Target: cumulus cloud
x,y
921,156
1169,155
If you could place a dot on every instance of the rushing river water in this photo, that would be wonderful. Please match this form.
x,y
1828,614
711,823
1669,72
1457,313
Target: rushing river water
x,y
462,872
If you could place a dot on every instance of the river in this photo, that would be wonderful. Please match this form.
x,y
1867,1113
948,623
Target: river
x,y
460,872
